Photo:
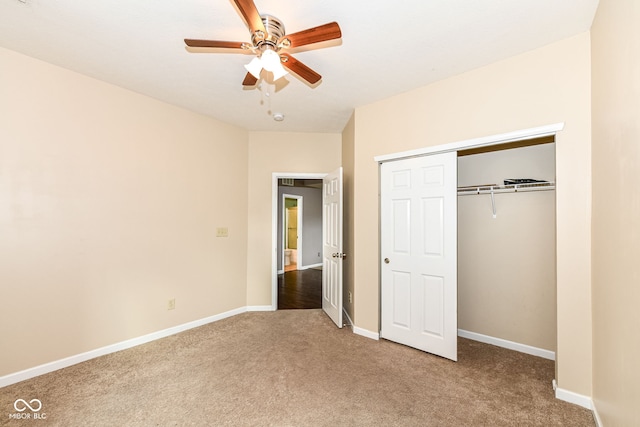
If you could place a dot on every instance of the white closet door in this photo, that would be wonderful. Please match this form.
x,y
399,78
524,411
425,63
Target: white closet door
x,y
419,253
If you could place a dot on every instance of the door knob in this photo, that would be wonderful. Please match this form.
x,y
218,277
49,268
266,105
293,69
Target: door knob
x,y
386,260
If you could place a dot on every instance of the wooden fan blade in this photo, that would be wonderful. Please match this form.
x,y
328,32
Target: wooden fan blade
x,y
249,80
250,15
214,43
297,67
319,34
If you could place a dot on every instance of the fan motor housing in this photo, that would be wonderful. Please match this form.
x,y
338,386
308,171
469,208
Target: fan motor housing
x,y
275,31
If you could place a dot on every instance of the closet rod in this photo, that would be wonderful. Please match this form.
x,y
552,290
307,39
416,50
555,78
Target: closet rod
x,y
511,188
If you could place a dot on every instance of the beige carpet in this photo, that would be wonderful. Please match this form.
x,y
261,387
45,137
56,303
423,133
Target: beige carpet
x,y
295,368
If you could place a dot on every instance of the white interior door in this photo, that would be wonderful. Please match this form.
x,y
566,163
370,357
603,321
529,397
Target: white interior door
x,y
419,253
332,255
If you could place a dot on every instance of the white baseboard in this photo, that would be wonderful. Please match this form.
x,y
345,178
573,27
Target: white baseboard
x,y
596,415
79,358
260,308
522,348
366,333
575,398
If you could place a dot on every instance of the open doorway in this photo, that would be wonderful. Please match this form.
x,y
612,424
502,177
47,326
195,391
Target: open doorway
x,y
292,224
299,243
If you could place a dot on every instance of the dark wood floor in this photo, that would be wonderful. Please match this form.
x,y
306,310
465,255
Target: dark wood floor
x,y
300,289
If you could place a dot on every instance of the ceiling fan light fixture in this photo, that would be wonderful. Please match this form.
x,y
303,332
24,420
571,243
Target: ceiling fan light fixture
x,y
254,67
271,62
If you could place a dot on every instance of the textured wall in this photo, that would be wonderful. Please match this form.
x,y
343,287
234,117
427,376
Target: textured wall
x,y
109,204
616,212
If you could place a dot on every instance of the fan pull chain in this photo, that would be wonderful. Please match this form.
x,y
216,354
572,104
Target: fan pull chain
x,y
266,92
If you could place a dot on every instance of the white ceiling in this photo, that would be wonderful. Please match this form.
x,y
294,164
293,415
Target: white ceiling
x,y
388,47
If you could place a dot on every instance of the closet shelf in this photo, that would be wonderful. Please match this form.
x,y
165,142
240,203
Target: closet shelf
x,y
511,188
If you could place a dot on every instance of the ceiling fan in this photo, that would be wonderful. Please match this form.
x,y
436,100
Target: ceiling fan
x,y
269,43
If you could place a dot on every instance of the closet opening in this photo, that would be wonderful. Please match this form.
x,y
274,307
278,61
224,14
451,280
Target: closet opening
x,y
507,245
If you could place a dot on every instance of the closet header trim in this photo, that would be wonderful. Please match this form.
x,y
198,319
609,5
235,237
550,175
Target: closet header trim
x,y
485,141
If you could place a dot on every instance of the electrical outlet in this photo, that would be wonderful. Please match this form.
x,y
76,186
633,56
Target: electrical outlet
x,y
222,232
319,254
350,298
171,305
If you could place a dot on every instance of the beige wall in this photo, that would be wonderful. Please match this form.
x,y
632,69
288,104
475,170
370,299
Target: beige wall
x,y
616,212
109,203
348,153
271,152
507,264
541,87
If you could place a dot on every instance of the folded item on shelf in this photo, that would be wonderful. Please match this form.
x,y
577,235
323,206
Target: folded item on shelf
x,y
515,181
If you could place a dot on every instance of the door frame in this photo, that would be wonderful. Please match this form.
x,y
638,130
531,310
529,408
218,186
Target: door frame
x,y
300,203
275,176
